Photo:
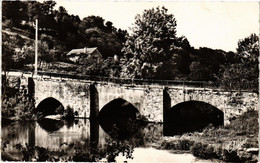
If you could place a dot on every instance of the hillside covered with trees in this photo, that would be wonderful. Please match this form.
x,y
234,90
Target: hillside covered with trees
x,y
151,51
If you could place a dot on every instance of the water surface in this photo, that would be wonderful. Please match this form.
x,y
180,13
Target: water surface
x,y
65,139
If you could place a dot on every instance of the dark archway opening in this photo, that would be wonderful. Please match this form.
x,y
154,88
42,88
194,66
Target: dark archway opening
x,y
191,116
49,106
118,119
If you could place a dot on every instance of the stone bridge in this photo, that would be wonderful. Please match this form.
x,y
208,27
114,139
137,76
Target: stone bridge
x,y
89,97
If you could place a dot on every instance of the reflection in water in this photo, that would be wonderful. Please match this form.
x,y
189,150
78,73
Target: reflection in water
x,y
17,133
31,136
94,134
50,125
83,140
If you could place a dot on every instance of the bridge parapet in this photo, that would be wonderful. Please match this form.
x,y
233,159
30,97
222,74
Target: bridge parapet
x,y
231,86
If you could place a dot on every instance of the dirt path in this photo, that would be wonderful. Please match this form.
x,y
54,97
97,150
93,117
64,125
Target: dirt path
x,y
13,33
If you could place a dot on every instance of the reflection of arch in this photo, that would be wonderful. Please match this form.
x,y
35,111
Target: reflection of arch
x,y
191,116
116,115
50,106
50,125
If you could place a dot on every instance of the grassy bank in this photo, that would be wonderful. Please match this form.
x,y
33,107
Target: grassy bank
x,y
236,142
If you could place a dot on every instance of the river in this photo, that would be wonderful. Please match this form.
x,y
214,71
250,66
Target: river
x,y
63,139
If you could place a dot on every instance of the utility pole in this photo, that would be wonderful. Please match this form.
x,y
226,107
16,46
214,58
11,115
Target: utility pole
x,y
36,48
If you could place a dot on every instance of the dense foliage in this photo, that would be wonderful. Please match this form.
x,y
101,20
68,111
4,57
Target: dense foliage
x,y
154,50
245,68
64,31
151,51
18,107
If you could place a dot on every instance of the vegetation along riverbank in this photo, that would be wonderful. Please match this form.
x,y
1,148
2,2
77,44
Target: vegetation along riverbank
x,y
236,142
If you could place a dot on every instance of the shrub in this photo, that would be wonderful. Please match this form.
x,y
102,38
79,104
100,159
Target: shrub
x,y
33,153
230,156
183,144
68,113
246,124
168,144
18,107
203,151
250,143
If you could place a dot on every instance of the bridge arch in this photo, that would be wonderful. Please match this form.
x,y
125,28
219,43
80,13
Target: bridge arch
x,y
116,115
191,116
49,106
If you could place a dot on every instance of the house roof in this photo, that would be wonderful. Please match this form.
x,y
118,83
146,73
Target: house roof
x,y
81,51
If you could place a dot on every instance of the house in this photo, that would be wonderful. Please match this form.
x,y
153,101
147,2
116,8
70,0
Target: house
x,y
80,56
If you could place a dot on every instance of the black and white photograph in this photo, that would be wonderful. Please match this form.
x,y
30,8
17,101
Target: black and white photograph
x,y
129,81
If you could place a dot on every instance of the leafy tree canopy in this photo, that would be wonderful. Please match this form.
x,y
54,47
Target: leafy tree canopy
x,y
152,43
245,69
248,48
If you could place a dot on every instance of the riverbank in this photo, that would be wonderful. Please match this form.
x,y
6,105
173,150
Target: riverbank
x,y
236,142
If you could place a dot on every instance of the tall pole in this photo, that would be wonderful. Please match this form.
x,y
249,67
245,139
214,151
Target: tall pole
x,y
36,48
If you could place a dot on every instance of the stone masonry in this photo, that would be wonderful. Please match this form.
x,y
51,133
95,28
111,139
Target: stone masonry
x,y
148,99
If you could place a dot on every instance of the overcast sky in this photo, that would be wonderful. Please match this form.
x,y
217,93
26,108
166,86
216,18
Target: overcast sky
x,y
218,25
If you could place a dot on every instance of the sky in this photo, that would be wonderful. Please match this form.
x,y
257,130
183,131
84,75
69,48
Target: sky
x,y
217,25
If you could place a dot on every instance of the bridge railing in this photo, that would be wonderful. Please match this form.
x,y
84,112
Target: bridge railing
x,y
129,80
252,86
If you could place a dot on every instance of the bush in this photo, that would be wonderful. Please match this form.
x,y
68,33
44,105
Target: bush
x,y
19,107
183,144
68,113
203,151
246,124
250,143
230,156
33,153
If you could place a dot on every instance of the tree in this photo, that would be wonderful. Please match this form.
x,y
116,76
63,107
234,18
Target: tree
x,y
245,69
210,63
92,22
108,44
199,72
248,48
42,11
183,61
98,33
67,27
12,55
121,34
12,10
10,59
151,44
182,42
7,54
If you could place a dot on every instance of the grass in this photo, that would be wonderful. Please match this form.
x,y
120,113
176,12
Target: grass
x,y
228,143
